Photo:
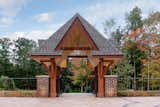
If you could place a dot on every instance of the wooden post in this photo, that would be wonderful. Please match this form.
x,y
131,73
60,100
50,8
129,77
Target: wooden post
x,y
58,81
100,79
53,77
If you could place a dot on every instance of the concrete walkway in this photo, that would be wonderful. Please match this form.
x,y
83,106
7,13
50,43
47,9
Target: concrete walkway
x,y
80,100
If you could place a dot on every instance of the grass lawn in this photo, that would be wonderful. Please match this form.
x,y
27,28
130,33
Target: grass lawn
x,y
132,93
18,93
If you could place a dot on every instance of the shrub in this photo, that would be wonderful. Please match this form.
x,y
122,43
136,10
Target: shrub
x,y
7,83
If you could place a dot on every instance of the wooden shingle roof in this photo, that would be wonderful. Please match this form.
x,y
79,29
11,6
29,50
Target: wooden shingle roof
x,y
105,46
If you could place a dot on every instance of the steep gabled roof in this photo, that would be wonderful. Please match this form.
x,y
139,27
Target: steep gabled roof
x,y
105,46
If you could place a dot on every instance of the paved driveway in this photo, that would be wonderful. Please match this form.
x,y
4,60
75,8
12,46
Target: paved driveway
x,y
80,100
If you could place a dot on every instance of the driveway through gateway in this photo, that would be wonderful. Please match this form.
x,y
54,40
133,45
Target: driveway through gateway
x,y
80,100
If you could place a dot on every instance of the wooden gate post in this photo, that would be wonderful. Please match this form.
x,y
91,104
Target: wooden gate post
x,y
100,79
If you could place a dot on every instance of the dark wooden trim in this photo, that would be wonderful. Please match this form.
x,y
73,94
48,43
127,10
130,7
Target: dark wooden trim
x,y
109,56
77,56
76,48
53,56
96,56
45,56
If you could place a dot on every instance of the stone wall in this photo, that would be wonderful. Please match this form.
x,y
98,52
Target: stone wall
x,y
42,85
110,85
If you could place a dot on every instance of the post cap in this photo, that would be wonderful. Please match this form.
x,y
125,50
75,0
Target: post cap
x,y
42,76
106,76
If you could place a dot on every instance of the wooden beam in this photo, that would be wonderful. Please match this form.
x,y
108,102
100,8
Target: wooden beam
x,y
100,79
53,76
43,57
96,56
47,68
76,48
109,56
64,57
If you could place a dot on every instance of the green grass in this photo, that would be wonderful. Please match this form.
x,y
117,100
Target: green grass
x,y
132,93
18,93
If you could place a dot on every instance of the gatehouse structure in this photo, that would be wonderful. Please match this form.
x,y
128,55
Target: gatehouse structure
x,y
77,38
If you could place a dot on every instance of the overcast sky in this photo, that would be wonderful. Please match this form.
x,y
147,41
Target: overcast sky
x,y
38,19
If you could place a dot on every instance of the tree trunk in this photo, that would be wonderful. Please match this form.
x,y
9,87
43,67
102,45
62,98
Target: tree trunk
x,y
81,89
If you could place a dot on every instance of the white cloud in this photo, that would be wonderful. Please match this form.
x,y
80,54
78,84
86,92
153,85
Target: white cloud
x,y
5,21
9,10
44,17
99,11
34,35
117,8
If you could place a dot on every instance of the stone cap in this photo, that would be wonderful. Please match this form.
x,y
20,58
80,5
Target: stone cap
x,y
42,76
110,76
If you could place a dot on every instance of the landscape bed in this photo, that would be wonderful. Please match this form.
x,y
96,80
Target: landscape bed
x,y
18,93
32,93
138,93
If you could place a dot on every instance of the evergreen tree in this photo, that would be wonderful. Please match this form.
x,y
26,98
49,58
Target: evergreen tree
x,y
25,66
134,19
5,56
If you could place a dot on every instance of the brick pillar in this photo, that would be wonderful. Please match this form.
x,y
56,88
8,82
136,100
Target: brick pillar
x,y
110,85
42,85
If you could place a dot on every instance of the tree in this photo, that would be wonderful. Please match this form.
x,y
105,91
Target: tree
x,y
134,19
109,26
154,74
150,43
66,75
117,35
25,66
5,55
151,35
82,75
131,46
124,70
134,55
23,48
112,31
152,23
